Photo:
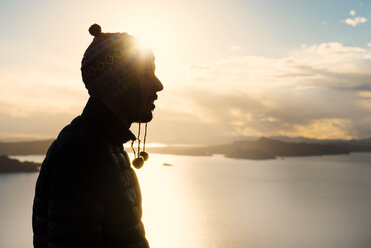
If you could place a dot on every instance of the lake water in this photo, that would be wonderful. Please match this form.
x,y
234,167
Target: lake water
x,y
304,202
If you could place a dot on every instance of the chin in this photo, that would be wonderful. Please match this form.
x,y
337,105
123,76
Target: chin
x,y
143,118
146,117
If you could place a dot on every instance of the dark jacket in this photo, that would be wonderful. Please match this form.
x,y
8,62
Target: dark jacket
x,y
87,194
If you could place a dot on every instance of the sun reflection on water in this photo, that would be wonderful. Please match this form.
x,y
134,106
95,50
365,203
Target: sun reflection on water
x,y
167,211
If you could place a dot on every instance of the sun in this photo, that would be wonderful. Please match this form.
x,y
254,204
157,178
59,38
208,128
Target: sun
x,y
149,31
158,36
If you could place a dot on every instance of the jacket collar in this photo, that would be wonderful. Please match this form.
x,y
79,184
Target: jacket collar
x,y
105,122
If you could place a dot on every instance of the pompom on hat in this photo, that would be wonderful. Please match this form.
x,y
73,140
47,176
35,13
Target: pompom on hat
x,y
110,58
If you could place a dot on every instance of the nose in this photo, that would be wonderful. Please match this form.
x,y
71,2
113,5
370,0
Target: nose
x,y
158,84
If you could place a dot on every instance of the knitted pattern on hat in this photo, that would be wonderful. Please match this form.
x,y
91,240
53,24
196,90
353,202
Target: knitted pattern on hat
x,y
108,59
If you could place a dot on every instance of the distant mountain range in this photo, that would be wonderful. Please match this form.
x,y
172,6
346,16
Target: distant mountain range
x,y
261,148
312,140
270,148
9,165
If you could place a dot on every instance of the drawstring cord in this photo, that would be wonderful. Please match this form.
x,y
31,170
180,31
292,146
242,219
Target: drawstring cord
x,y
139,139
145,137
140,156
132,147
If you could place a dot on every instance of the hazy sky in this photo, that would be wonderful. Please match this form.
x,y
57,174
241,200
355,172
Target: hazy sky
x,y
230,68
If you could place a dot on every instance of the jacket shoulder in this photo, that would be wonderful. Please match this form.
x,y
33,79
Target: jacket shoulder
x,y
77,135
78,147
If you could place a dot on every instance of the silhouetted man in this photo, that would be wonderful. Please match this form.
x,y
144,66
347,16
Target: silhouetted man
x,y
87,194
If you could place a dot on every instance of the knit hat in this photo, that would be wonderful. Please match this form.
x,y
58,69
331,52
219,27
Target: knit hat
x,y
110,58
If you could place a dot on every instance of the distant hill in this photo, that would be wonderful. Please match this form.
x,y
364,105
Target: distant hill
x,y
37,147
275,148
354,145
9,165
261,148
301,139
268,148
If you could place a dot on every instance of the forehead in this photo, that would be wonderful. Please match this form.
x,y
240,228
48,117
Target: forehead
x,y
145,65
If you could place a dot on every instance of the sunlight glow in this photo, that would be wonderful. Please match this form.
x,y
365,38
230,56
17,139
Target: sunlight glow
x,y
160,37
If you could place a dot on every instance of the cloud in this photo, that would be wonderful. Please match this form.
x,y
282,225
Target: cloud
x,y
355,20
320,91
369,44
234,48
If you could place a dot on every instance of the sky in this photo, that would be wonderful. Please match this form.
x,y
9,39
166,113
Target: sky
x,y
231,69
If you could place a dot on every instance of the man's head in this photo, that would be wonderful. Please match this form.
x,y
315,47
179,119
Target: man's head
x,y
120,73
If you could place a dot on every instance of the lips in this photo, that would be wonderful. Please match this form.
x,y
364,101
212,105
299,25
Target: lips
x,y
151,101
152,98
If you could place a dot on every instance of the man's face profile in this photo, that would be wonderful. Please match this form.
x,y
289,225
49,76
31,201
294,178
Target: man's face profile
x,y
149,85
135,96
